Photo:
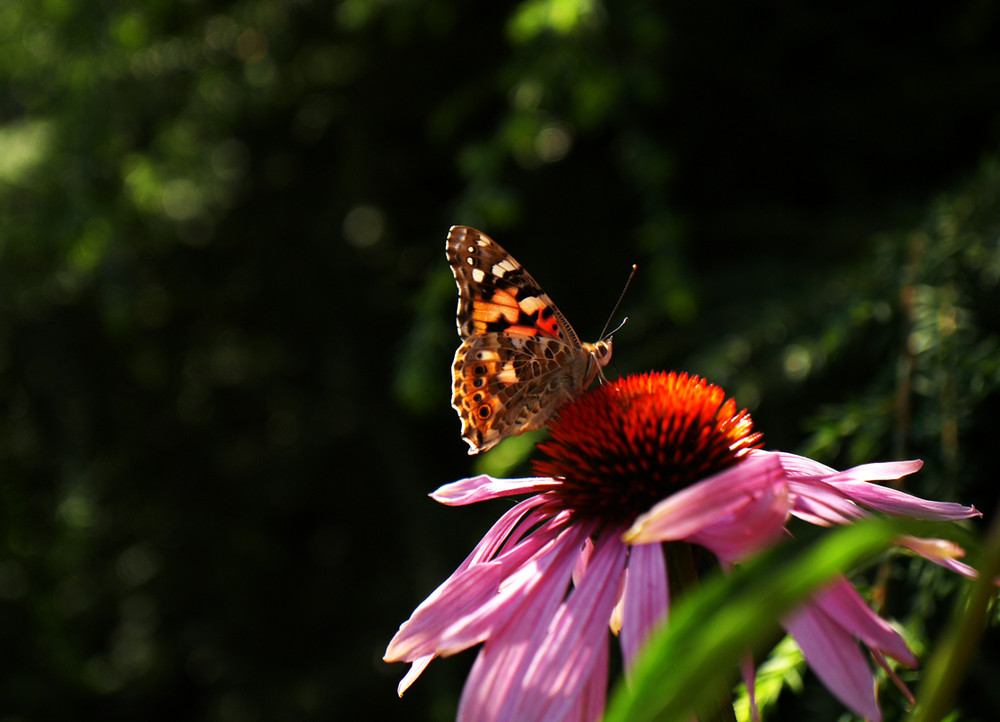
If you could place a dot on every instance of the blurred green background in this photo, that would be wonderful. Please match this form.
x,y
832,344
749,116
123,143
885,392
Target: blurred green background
x,y
226,319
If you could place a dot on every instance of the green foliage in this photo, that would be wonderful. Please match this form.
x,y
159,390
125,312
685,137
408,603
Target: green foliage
x,y
694,658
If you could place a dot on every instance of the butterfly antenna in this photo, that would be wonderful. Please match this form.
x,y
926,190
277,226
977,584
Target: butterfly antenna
x,y
618,305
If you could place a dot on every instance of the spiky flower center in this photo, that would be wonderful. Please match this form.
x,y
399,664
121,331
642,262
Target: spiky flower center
x,y
624,446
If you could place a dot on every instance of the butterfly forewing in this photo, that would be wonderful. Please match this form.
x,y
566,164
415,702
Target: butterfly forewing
x,y
519,359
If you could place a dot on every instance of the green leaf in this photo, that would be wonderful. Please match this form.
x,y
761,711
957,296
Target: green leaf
x,y
693,661
957,647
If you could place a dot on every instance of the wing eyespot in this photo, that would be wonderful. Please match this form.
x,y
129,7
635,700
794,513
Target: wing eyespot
x,y
484,412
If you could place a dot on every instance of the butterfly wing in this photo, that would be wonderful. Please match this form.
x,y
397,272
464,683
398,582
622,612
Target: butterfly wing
x,y
519,359
496,294
505,384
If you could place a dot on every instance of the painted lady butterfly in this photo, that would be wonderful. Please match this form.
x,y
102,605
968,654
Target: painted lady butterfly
x,y
520,360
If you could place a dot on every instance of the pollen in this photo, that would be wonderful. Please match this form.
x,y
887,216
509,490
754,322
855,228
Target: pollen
x,y
623,446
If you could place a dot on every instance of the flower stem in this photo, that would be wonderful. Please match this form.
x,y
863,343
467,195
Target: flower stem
x,y
682,577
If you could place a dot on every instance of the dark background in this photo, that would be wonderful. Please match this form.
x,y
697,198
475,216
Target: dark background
x,y
226,319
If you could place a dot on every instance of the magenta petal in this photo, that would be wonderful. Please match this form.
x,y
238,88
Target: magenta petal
x,y
416,669
480,488
590,706
940,551
842,603
463,596
499,534
475,598
834,656
898,503
647,598
879,471
554,678
497,674
760,522
822,504
690,510
881,661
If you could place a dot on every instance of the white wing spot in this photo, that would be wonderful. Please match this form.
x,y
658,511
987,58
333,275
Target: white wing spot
x,y
498,271
530,304
471,261
507,264
507,375
478,275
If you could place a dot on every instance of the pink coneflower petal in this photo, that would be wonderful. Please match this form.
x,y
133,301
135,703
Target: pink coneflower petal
x,y
576,635
497,536
825,496
481,488
415,670
797,466
834,656
898,503
692,509
646,598
759,523
462,611
497,676
940,551
591,702
881,661
821,504
842,602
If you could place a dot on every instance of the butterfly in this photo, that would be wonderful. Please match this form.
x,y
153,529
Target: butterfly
x,y
519,360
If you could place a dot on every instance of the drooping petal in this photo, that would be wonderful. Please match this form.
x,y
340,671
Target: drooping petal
x,y
898,503
498,672
842,603
499,533
475,598
878,471
480,488
590,705
555,677
882,662
799,466
822,504
646,598
460,597
759,523
690,510
415,670
940,551
834,656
